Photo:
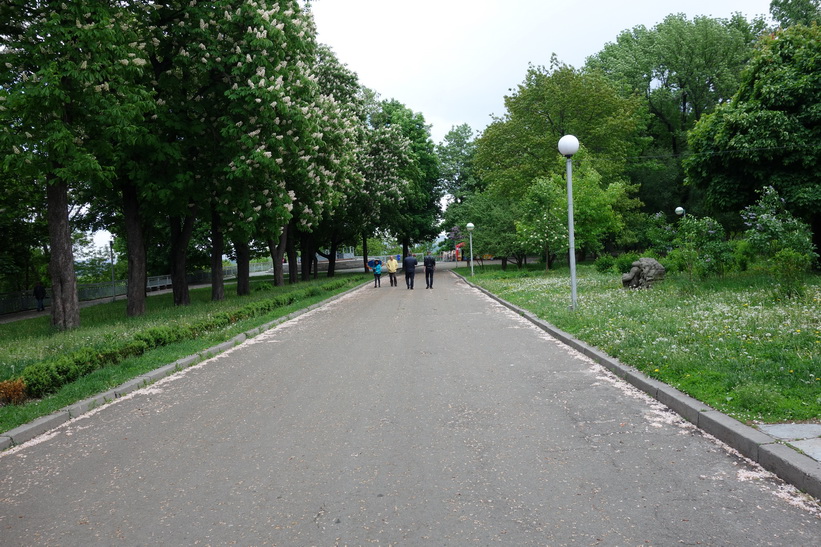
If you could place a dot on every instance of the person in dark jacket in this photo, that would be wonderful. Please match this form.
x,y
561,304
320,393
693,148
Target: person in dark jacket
x,y
409,265
39,293
430,267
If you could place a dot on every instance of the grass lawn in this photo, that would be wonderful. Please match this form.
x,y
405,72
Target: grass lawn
x,y
732,343
31,340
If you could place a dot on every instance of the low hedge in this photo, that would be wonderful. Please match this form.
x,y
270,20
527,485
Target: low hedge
x,y
49,375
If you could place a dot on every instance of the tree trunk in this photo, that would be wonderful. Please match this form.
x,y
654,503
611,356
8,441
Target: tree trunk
x,y
135,242
277,251
405,247
293,273
308,255
181,231
504,263
365,251
217,250
65,306
331,258
243,251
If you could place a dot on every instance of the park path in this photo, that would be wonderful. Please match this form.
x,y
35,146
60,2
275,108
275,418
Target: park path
x,y
394,417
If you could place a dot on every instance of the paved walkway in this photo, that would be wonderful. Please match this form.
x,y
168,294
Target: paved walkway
x,y
389,416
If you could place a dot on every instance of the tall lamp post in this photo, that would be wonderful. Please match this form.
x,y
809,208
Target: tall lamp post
x,y
111,258
470,232
569,145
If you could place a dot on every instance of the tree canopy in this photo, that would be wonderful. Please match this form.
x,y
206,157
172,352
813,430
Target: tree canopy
x,y
769,134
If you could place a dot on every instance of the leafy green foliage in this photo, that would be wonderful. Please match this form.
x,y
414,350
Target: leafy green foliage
x,y
771,228
768,134
796,12
520,147
674,68
456,173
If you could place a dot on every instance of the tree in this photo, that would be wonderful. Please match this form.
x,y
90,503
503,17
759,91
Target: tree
x,y
416,220
495,221
66,97
598,212
768,134
682,69
520,147
543,226
455,154
796,12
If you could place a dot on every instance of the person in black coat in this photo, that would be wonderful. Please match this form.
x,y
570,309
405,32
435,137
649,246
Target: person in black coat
x,y
39,293
409,265
430,267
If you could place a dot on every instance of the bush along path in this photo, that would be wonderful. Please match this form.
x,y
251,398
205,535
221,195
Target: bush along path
x,y
27,396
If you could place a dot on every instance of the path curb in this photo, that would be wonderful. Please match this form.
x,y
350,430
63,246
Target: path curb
x,y
773,455
35,428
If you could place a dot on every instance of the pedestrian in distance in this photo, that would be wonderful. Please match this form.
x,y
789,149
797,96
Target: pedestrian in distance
x,y
430,267
377,273
409,265
392,265
39,293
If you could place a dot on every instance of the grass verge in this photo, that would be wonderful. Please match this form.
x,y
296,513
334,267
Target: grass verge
x,y
733,343
29,341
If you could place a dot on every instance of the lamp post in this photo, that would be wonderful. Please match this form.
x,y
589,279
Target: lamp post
x,y
111,259
470,232
680,211
569,145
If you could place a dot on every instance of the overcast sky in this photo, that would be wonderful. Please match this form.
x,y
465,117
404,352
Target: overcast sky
x,y
455,60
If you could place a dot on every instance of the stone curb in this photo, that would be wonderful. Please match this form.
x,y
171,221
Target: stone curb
x,y
773,455
26,432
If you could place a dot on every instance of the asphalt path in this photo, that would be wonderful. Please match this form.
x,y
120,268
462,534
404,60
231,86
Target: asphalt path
x,y
393,417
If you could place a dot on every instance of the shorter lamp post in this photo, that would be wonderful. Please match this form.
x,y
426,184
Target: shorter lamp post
x,y
470,232
569,145
111,258
680,211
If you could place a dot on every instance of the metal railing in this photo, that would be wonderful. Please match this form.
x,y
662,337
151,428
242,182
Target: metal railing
x,y
24,300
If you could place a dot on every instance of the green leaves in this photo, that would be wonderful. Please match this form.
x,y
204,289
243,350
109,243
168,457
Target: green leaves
x,y
769,133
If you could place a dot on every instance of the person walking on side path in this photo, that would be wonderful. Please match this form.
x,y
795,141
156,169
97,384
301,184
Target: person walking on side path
x,y
430,267
409,265
39,293
377,273
392,265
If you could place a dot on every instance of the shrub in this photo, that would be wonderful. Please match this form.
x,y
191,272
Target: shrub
x,y
624,262
790,267
604,263
264,286
40,378
702,248
743,254
12,392
771,228
659,234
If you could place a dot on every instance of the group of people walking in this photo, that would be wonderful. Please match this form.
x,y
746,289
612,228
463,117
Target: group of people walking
x,y
409,264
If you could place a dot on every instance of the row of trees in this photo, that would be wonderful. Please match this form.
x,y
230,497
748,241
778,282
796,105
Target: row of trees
x,y
700,113
212,127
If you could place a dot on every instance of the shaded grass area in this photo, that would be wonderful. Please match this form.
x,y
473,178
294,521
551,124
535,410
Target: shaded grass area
x,y
28,341
733,343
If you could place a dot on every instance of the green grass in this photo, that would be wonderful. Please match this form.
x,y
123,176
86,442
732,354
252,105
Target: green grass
x,y
28,341
732,343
